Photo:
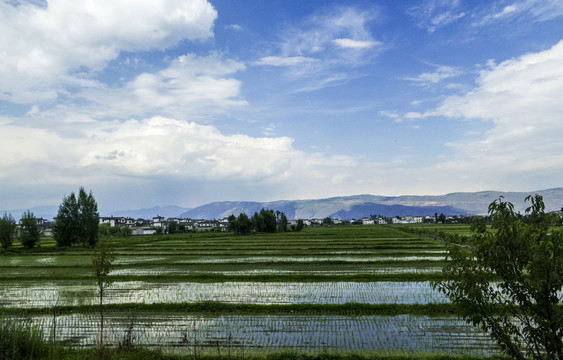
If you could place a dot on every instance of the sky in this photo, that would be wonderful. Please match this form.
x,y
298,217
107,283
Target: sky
x,y
187,102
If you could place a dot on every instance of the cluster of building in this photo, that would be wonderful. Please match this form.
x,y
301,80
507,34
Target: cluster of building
x,y
160,224
151,226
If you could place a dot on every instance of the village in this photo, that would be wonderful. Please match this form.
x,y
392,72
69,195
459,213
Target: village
x,y
161,225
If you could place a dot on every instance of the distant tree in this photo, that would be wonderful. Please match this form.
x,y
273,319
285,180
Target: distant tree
x,y
243,224
7,231
89,217
173,227
282,222
257,223
102,260
30,233
125,231
239,225
442,218
508,281
77,220
300,225
327,221
233,223
270,222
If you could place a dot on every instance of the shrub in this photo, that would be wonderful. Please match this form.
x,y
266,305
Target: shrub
x,y
21,340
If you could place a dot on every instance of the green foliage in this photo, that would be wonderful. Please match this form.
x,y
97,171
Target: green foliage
x,y
173,227
105,230
265,221
7,230
507,282
442,218
20,340
77,220
282,221
29,230
240,225
102,259
300,225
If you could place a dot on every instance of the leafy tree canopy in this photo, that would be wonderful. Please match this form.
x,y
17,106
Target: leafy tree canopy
x,y
30,233
7,230
509,280
77,220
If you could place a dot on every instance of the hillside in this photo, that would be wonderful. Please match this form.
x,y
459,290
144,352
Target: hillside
x,y
342,207
358,206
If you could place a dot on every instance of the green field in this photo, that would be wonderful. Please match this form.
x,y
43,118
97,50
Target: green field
x,y
352,288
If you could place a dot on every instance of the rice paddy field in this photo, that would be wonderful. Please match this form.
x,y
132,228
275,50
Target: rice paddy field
x,y
351,288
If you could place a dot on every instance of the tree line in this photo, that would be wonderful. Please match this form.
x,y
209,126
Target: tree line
x,y
28,232
77,223
265,221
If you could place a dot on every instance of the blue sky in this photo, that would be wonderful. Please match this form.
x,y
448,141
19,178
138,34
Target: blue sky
x,y
186,102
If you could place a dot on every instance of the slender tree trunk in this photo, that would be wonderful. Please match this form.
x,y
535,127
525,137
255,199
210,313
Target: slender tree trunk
x,y
101,317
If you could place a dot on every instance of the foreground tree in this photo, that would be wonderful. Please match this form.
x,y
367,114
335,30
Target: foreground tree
x,y
102,259
77,220
29,230
509,281
7,230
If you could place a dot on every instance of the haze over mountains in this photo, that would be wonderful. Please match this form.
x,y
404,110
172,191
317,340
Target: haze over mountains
x,y
344,207
358,206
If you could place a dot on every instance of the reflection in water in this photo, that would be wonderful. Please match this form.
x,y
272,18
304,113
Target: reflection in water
x,y
33,294
176,333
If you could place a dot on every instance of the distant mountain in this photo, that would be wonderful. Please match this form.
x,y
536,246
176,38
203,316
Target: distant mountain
x,y
45,212
358,206
343,207
49,212
367,209
165,211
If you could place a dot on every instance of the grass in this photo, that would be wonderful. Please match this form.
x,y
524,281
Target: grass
x,y
146,354
21,340
220,308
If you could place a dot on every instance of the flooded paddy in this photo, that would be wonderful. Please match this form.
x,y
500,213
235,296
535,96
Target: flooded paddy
x,y
177,333
34,294
309,268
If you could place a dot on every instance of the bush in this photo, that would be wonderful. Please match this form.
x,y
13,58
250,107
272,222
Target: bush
x,y
21,341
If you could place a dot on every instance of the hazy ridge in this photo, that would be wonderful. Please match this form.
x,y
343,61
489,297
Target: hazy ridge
x,y
342,207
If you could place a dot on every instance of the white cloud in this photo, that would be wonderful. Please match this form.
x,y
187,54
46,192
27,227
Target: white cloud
x,y
537,10
283,61
43,47
346,27
442,72
190,87
435,14
235,27
324,47
355,44
131,154
521,97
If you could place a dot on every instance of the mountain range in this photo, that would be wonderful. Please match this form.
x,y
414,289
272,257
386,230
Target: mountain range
x,y
359,206
343,207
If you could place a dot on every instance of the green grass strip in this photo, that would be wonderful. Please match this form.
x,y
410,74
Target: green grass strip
x,y
219,278
220,308
140,353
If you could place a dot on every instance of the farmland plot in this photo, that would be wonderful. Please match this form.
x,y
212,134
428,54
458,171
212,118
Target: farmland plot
x,y
35,294
177,333
153,270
